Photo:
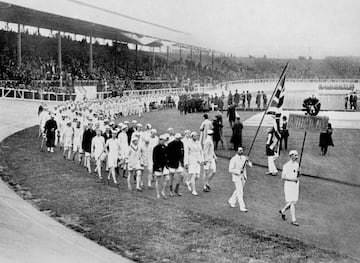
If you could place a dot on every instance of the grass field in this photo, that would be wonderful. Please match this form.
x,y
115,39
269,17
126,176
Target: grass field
x,y
204,228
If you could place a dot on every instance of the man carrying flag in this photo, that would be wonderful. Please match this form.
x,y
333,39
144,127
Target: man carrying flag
x,y
274,135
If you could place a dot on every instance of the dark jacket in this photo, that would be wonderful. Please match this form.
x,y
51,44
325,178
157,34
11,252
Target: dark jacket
x,y
107,136
87,138
175,154
159,157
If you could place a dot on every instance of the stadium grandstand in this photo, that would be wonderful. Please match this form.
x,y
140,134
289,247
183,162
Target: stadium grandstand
x,y
45,52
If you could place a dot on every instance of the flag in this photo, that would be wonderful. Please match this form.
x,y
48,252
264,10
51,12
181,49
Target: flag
x,y
275,107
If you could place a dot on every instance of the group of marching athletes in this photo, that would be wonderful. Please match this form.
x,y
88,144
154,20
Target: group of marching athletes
x,y
127,148
139,154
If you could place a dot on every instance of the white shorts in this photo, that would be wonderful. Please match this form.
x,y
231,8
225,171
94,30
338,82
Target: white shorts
x,y
210,165
157,173
166,171
77,147
176,170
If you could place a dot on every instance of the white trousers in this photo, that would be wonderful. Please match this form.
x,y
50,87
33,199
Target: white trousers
x,y
238,194
271,165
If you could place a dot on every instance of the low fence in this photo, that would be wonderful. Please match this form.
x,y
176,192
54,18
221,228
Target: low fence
x,y
25,94
152,91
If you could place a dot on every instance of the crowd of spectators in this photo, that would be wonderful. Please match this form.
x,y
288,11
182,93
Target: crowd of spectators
x,y
118,67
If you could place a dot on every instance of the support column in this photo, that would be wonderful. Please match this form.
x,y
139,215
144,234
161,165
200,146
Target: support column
x,y
136,57
19,46
191,58
153,61
91,62
167,57
180,54
212,60
59,58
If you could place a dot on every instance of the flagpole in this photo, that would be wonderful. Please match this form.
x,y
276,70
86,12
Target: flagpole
x,y
267,107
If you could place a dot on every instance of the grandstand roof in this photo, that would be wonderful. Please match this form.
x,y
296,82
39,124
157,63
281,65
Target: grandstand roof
x,y
83,18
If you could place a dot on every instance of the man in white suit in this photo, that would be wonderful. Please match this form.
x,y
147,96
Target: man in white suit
x,y
237,168
290,175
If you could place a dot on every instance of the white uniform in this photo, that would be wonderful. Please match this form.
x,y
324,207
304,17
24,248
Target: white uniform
x,y
134,158
237,168
204,127
97,146
124,146
114,152
194,157
209,155
67,136
291,189
153,141
77,142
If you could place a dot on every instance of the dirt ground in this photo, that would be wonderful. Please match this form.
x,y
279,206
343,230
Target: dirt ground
x,y
204,228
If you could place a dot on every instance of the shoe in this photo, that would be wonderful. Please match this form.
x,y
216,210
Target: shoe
x,y
231,205
158,196
282,215
171,193
139,189
188,186
194,193
244,210
178,194
268,173
295,223
274,174
205,189
208,187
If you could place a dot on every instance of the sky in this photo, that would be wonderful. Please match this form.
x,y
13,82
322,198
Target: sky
x,y
276,28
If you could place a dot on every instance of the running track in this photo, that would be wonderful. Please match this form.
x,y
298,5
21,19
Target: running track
x,y
28,235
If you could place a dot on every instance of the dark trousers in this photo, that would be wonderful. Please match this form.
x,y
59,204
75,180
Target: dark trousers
x,y
285,139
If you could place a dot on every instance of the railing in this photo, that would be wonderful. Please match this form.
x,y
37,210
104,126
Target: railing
x,y
246,81
25,94
152,91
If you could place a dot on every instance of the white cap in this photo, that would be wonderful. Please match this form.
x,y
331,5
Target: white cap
x,y
162,137
153,131
170,129
193,134
293,152
167,136
112,123
187,131
134,122
178,136
139,125
126,122
148,126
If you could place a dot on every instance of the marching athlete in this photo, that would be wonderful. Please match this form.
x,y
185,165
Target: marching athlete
x,y
290,175
209,161
237,168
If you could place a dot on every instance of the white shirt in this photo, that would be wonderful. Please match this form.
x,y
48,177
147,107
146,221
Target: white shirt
x,y
209,152
194,153
237,167
68,134
290,170
97,145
